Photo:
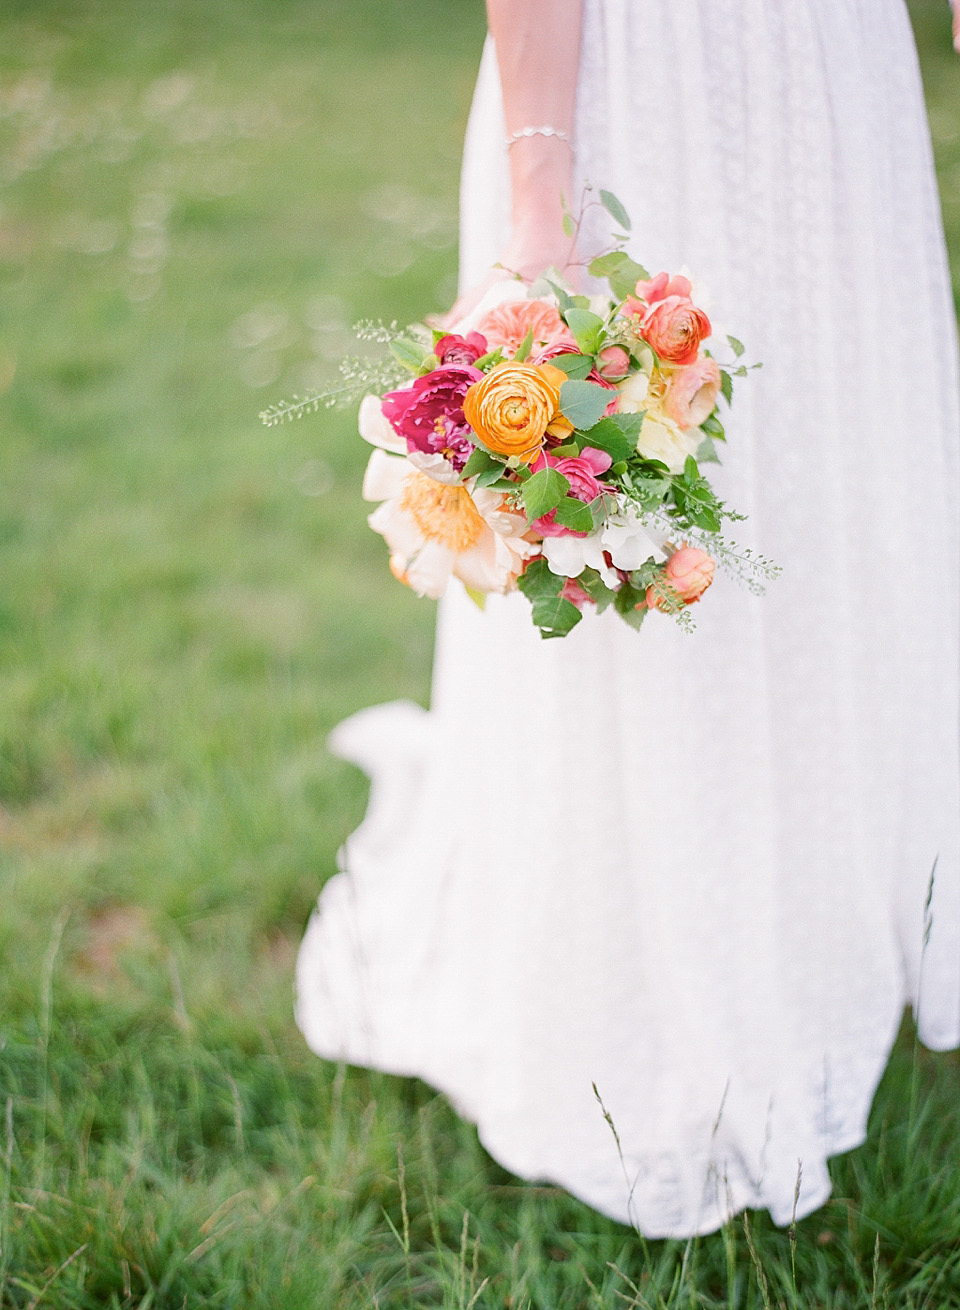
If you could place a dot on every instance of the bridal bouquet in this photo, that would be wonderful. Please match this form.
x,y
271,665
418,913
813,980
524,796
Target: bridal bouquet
x,y
552,443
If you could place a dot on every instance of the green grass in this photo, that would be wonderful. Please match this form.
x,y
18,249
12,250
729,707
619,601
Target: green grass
x,y
198,199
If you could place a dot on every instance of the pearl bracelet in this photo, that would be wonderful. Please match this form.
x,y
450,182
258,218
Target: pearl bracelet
x,y
546,130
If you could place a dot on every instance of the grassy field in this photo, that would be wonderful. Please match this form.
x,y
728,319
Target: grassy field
x,y
197,199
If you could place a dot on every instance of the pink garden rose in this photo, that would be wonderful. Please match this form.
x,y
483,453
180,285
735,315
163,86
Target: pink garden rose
x,y
613,363
667,319
508,325
692,393
453,349
689,572
573,592
429,413
581,472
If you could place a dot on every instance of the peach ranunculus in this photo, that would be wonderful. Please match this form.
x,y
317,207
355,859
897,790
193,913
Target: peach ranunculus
x,y
438,530
507,326
692,392
514,406
688,573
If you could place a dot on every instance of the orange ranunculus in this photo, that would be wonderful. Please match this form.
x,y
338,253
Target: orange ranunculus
x,y
514,407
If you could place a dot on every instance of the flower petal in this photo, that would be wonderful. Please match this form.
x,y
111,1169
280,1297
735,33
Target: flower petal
x,y
397,529
375,428
429,571
384,477
435,466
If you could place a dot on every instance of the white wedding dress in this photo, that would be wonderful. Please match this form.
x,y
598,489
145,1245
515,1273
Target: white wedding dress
x,y
695,870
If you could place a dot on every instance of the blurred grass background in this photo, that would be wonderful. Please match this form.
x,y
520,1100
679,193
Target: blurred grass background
x,y
197,200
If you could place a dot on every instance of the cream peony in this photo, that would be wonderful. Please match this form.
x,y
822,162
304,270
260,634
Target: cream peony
x,y
438,530
660,437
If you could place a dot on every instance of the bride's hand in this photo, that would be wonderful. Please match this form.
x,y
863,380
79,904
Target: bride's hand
x,y
525,258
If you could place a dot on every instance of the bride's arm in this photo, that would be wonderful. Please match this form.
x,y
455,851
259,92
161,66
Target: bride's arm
x,y
538,55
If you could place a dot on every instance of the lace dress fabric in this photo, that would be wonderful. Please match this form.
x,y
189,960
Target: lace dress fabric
x,y
703,873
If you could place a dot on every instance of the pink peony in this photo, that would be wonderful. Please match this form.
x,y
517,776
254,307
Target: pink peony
x,y
692,393
508,325
689,572
581,472
429,413
453,349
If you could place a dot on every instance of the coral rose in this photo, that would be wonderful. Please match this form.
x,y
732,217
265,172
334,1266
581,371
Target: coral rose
x,y
692,393
662,286
674,328
514,406
688,573
667,319
507,326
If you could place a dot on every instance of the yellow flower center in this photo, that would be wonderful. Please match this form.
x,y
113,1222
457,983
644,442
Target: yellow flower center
x,y
443,514
516,412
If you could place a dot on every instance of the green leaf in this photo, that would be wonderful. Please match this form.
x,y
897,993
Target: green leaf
x,y
523,350
492,477
574,514
543,492
564,298
609,436
726,386
491,357
634,617
613,207
537,581
481,461
736,346
621,272
479,598
586,327
583,403
625,602
707,452
690,471
568,225
651,491
555,616
595,587
575,366
408,353
713,427
629,424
